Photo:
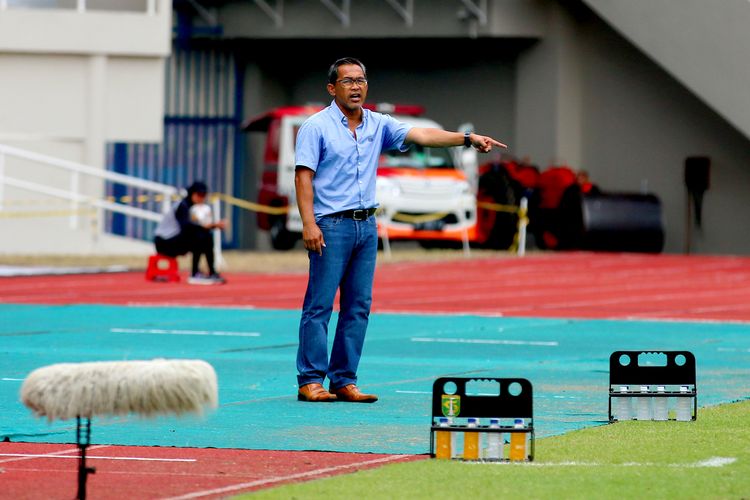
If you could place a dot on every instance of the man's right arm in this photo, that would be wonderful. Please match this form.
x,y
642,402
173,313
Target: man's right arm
x,y
312,236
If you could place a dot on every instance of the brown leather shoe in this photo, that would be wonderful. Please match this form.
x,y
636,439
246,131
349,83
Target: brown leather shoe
x,y
315,393
352,394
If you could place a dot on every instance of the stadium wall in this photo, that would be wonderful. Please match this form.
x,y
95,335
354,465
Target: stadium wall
x,y
71,82
573,91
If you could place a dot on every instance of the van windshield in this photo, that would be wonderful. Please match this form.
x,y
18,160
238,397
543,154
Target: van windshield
x,y
418,157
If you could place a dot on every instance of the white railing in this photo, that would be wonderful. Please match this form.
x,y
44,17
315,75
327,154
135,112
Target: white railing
x,y
78,5
73,194
166,192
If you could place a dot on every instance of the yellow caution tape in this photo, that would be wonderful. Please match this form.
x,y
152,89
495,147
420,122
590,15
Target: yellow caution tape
x,y
257,207
523,220
249,205
416,219
141,198
144,198
497,207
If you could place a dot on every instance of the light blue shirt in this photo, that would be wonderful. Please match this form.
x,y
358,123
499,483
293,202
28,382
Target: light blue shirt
x,y
345,168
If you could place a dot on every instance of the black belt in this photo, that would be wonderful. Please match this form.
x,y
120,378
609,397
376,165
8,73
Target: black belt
x,y
358,214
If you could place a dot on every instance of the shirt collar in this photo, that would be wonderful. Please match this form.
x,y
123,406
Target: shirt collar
x,y
342,118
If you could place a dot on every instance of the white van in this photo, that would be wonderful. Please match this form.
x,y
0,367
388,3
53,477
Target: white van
x,y
423,194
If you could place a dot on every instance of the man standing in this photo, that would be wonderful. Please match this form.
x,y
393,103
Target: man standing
x,y
336,162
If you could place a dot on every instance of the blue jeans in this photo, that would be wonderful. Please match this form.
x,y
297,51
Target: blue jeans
x,y
348,264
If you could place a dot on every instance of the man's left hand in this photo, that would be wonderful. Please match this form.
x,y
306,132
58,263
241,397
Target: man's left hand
x,y
484,144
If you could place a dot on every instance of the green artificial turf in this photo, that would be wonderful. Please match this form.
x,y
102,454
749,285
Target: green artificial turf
x,y
708,458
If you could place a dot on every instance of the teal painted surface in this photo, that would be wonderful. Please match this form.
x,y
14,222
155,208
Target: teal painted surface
x,y
566,360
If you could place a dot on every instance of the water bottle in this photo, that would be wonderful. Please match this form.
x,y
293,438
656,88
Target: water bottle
x,y
684,411
455,452
644,405
443,447
518,442
471,441
661,410
494,449
624,405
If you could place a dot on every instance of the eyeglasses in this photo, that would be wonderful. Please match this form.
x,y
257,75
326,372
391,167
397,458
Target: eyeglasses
x,y
348,82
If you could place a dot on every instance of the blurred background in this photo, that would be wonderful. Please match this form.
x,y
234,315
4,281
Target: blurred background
x,y
648,97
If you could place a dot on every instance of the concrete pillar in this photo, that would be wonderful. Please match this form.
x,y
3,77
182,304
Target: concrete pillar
x,y
549,85
95,113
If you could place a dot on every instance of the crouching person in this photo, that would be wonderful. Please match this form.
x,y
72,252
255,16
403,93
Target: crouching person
x,y
187,228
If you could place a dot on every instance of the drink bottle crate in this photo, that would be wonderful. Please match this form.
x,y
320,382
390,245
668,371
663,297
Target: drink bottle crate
x,y
513,401
675,379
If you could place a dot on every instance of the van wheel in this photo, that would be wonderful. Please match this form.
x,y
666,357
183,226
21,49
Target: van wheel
x,y
499,228
281,238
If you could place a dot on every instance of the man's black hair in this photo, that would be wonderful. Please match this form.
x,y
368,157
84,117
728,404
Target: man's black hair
x,y
197,187
333,72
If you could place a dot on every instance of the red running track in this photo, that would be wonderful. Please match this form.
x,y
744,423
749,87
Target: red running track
x,y
573,285
44,471
580,285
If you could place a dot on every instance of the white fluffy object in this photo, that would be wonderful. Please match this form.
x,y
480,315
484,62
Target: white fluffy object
x,y
147,388
200,213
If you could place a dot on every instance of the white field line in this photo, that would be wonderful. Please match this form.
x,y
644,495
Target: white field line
x,y
709,462
659,297
98,457
485,341
223,305
6,379
486,314
645,318
54,454
278,479
414,392
157,331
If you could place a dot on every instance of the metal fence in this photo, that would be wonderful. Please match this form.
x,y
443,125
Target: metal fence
x,y
201,123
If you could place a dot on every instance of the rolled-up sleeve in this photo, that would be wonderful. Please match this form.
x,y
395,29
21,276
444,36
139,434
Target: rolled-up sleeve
x,y
395,133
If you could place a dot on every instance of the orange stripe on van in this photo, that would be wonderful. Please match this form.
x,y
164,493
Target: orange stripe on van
x,y
445,173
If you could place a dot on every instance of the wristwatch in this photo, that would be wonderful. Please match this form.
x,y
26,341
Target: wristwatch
x,y
467,139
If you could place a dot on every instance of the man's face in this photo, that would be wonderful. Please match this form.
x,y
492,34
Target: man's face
x,y
197,198
348,93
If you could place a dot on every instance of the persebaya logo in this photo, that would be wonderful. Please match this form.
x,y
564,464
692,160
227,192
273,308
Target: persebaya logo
x,y
451,405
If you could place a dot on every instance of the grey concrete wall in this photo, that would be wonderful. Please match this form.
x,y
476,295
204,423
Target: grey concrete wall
x,y
588,98
549,100
639,125
480,90
263,91
703,43
71,82
581,95
376,19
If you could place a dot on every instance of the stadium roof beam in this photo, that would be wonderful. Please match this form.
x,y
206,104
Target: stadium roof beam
x,y
406,11
342,12
341,9
276,13
478,10
207,15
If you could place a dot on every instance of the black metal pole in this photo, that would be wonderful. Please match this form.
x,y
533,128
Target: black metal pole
x,y
83,442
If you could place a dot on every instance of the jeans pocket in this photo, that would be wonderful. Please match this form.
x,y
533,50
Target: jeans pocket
x,y
329,222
